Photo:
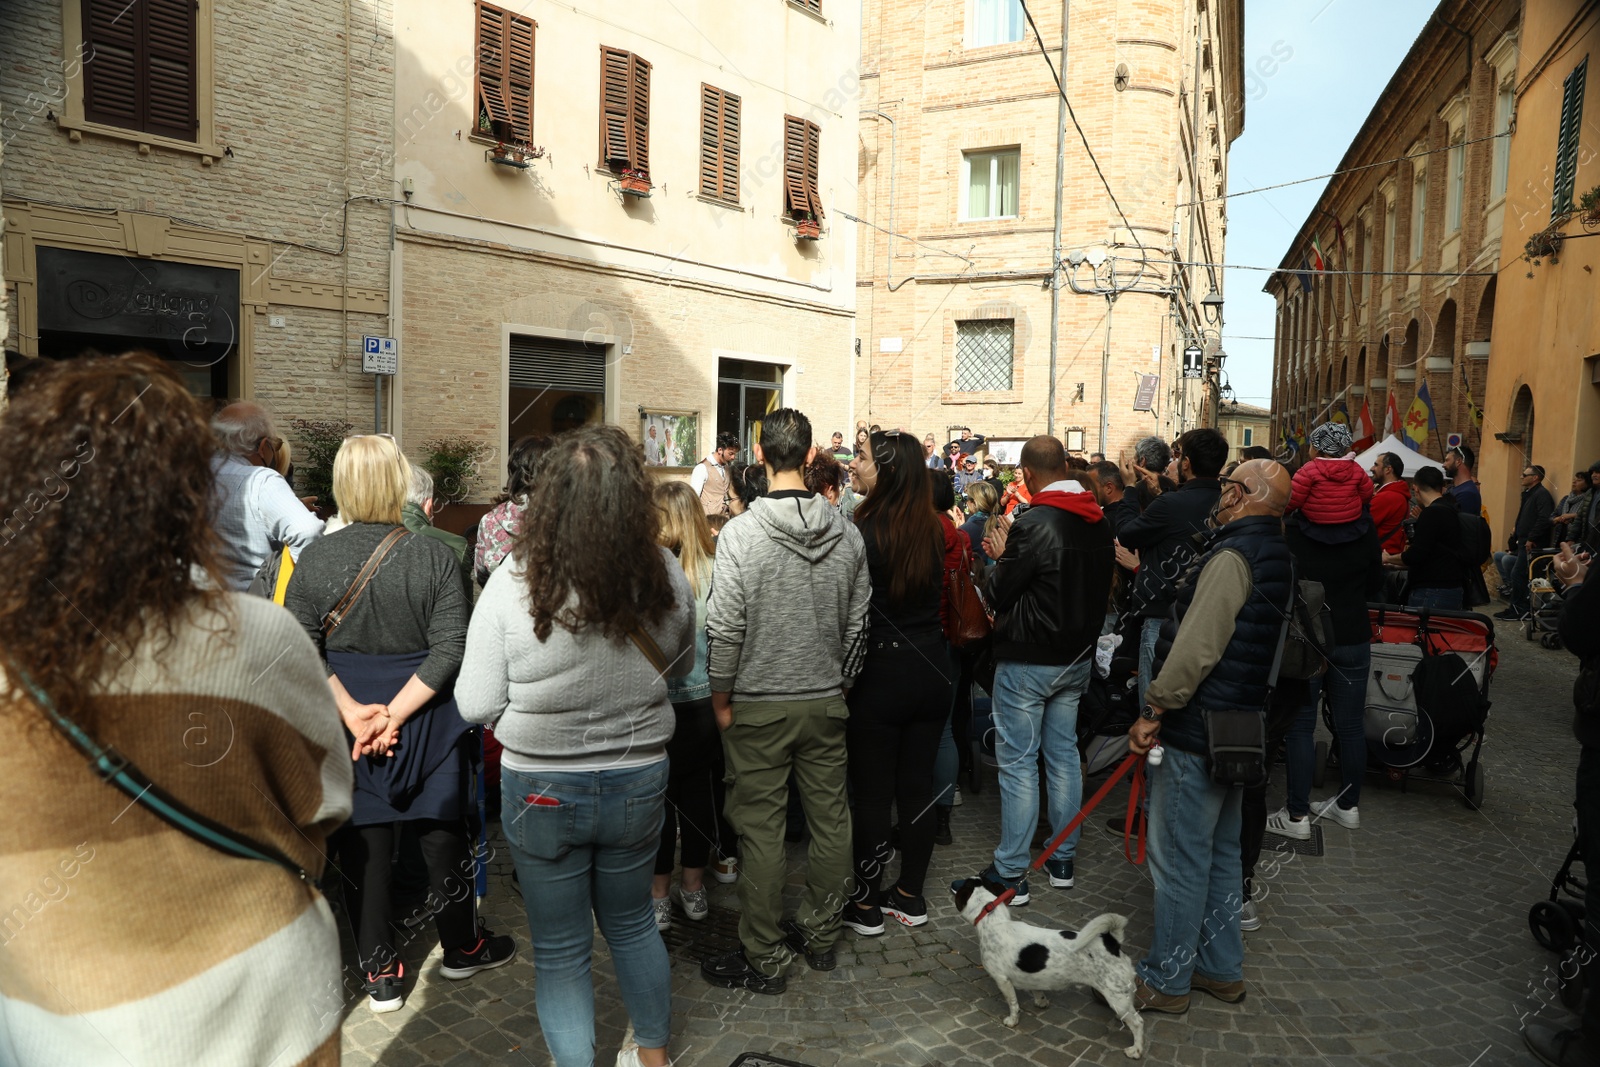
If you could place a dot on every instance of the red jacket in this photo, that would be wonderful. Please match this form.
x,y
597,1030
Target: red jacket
x,y
1390,505
1331,491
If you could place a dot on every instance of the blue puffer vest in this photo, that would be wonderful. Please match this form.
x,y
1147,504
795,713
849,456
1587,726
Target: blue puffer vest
x,y
1239,680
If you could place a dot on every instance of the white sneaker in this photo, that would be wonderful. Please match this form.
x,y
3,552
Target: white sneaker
x,y
955,798
1249,916
692,901
1281,824
663,909
629,1057
1349,818
726,869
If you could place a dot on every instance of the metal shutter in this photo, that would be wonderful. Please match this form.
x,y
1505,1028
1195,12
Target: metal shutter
x,y
554,363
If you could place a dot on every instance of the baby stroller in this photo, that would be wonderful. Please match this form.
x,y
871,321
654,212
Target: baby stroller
x,y
1544,600
1557,924
1427,696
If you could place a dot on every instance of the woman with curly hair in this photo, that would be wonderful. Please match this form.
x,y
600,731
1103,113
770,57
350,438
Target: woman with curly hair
x,y
114,617
568,657
388,611
498,528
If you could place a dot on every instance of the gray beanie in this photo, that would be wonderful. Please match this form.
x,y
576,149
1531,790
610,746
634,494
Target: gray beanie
x,y
1331,439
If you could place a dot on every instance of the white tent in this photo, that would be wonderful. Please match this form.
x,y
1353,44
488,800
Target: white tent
x,y
1413,460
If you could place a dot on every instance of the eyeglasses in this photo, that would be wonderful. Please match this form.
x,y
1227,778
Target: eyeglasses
x,y
1527,474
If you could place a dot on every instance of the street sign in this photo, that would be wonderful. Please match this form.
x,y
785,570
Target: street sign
x,y
380,355
1148,384
1452,440
1192,362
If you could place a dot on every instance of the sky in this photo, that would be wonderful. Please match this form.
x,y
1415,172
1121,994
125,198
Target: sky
x,y
1313,70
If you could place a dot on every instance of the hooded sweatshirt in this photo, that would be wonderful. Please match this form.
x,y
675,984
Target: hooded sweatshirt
x,y
787,617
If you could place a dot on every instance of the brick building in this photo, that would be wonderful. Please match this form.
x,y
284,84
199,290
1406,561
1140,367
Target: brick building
x,y
960,124
156,196
1410,234
610,216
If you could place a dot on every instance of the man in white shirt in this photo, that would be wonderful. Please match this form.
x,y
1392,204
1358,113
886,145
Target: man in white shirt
x,y
652,448
710,477
255,512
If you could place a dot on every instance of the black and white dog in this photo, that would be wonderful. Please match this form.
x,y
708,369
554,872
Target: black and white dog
x,y
1020,956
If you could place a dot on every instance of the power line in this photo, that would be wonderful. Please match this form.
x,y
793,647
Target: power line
x,y
1356,273
1062,89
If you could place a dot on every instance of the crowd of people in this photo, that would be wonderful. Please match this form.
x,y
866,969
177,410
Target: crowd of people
x,y
678,680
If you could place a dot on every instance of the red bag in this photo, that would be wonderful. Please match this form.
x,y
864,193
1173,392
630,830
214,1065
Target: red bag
x,y
966,619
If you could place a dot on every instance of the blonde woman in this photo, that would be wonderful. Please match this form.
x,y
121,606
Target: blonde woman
x,y
983,503
386,609
695,747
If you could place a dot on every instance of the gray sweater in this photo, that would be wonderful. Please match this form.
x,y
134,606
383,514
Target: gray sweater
x,y
579,697
787,618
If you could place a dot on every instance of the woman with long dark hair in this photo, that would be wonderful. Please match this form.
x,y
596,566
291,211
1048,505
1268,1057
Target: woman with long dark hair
x,y
114,617
901,701
568,657
499,527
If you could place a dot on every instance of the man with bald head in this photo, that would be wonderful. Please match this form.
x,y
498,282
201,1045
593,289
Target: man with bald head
x,y
255,512
1215,653
1049,588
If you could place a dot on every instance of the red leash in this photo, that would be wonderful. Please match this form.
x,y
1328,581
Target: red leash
x,y
1134,827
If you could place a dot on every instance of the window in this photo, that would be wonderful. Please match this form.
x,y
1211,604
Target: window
x,y
809,5
1419,211
1249,436
984,350
505,75
991,181
624,112
802,147
1366,265
994,22
1455,183
747,390
143,74
719,144
1567,138
1505,103
555,385
1388,239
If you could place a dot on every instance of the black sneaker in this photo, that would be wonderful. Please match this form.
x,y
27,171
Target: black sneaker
x,y
1508,615
868,922
1019,884
795,939
485,954
941,829
734,971
386,991
908,911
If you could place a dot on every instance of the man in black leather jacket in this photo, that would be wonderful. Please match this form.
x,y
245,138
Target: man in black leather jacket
x,y
1049,589
1164,535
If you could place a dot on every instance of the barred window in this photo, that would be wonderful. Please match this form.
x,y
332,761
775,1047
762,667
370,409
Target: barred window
x,y
984,351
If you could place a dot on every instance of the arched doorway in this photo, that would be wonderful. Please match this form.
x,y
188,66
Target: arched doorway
x,y
1519,428
1440,367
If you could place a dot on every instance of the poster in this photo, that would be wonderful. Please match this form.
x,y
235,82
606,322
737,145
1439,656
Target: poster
x,y
671,439
1006,451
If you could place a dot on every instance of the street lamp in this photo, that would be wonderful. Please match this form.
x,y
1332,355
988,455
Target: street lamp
x,y
1213,306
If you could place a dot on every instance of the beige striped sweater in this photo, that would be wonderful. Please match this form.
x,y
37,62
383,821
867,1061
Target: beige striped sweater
x,y
125,942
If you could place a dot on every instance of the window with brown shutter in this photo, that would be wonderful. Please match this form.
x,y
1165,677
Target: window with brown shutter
x,y
624,111
809,5
802,148
505,75
719,144
143,72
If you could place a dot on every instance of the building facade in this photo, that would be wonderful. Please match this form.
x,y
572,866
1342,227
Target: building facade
x,y
1543,396
961,124
608,217
1245,426
1409,237
155,197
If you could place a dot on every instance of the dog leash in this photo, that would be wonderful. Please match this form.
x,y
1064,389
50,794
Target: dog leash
x,y
1134,827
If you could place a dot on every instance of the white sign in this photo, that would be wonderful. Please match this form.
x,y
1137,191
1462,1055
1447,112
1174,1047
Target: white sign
x,y
890,344
380,355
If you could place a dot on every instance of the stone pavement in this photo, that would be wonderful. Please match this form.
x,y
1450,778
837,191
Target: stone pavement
x,y
1406,943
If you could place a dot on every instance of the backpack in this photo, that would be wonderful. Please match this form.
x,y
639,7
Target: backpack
x,y
1476,540
1309,635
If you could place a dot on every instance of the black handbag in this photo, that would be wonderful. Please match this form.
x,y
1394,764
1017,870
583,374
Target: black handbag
x,y
1236,747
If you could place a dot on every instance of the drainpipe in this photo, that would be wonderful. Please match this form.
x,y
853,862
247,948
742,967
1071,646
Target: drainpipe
x,y
893,137
1055,243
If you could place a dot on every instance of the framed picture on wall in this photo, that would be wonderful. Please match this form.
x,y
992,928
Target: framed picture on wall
x,y
671,438
1005,451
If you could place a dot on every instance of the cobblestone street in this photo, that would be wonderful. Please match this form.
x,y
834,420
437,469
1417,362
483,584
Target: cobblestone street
x,y
1406,942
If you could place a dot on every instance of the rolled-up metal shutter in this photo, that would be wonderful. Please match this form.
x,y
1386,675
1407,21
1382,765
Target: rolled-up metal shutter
x,y
556,363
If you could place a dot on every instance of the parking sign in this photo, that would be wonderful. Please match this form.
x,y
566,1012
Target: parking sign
x,y
380,355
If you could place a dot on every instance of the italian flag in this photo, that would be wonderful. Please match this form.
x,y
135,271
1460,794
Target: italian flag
x,y
1317,262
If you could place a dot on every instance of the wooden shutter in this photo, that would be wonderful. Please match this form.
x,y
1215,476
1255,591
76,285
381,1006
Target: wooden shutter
x,y
492,69
1567,138
616,94
519,77
813,160
639,116
142,74
796,194
811,5
719,144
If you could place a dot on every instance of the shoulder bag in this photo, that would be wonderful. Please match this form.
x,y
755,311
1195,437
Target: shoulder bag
x,y
341,611
966,621
1236,739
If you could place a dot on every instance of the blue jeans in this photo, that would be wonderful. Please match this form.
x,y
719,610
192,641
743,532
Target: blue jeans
x,y
1149,631
1036,708
1346,679
1194,861
1513,568
946,765
591,852
1449,599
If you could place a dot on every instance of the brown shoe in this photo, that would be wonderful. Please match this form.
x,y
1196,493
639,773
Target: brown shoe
x,y
1147,999
1227,992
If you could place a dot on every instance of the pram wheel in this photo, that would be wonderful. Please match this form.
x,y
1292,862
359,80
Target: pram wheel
x,y
1552,926
1472,785
1319,769
1550,640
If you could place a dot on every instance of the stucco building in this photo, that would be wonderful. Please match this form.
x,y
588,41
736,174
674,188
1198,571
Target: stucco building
x,y
1543,397
1410,234
1245,426
961,123
608,216
156,197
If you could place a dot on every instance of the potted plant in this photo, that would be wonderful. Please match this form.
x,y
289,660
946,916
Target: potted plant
x,y
635,182
1589,205
453,461
806,226
319,441
515,155
1546,242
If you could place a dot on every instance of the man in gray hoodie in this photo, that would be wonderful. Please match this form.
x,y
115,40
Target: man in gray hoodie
x,y
786,632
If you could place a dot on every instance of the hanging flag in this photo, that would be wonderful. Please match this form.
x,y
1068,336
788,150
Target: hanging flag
x,y
1472,405
1290,445
1419,416
1317,260
1305,273
1361,430
1341,414
1391,417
